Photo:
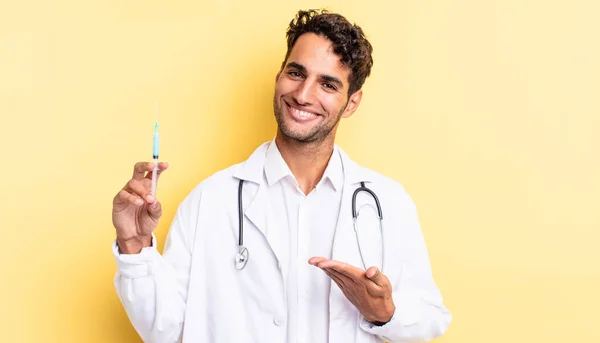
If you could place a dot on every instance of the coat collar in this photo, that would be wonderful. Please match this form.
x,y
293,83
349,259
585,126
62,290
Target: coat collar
x,y
253,168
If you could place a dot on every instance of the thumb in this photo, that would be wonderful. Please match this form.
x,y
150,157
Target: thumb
x,y
374,275
155,209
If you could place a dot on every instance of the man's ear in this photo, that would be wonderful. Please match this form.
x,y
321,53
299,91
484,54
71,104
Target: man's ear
x,y
353,103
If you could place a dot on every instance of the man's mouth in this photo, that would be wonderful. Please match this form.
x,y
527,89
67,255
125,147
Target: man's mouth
x,y
299,115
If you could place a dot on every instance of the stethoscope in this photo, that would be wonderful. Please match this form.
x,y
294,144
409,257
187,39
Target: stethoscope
x,y
242,256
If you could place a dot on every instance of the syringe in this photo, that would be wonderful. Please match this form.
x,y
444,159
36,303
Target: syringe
x,y
155,153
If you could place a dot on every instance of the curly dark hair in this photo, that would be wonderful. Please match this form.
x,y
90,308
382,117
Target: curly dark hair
x,y
348,40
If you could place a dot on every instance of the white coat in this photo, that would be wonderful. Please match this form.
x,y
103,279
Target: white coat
x,y
193,292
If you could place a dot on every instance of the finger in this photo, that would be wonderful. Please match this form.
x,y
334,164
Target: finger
x,y
316,260
155,210
124,197
342,267
140,188
334,276
162,166
380,283
345,279
343,286
336,279
140,168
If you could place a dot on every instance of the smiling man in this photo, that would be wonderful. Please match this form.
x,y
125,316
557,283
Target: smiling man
x,y
274,249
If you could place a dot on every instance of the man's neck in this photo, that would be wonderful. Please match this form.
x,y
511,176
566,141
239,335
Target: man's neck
x,y
307,161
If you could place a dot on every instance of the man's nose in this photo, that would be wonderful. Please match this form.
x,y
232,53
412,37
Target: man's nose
x,y
305,93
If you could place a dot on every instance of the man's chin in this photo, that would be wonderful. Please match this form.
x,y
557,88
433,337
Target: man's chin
x,y
300,137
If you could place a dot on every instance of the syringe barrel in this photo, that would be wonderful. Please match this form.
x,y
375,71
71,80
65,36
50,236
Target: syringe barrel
x,y
155,145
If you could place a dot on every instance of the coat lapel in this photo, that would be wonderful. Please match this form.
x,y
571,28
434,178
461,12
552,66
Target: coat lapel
x,y
260,214
256,195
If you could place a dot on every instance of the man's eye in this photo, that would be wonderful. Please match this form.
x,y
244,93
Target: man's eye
x,y
329,86
295,74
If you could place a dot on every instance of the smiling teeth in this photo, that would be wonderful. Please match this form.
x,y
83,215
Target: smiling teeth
x,y
304,115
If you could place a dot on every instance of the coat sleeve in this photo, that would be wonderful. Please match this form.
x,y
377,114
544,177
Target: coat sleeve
x,y
153,287
420,315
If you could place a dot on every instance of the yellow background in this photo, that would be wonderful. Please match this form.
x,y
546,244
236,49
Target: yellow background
x,y
487,111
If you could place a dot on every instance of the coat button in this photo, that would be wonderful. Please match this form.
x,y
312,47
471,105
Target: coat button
x,y
277,321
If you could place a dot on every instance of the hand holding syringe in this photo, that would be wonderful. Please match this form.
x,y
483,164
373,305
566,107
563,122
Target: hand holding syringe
x,y
136,210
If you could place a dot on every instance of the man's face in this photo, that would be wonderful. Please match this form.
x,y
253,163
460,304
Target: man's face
x,y
311,91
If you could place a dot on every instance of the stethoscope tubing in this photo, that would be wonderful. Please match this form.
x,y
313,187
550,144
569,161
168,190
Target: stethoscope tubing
x,y
242,256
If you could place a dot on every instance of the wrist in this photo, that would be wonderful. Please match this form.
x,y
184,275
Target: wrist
x,y
134,245
383,318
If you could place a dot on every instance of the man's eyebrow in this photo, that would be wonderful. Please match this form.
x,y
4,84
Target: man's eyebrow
x,y
298,66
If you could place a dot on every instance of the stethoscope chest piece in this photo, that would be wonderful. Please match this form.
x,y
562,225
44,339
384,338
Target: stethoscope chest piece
x,y
241,258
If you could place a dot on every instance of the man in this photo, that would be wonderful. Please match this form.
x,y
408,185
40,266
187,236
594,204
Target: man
x,y
266,251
